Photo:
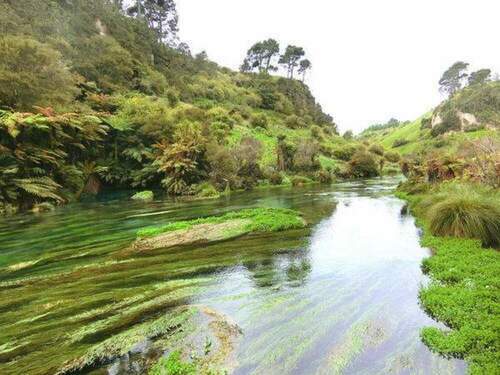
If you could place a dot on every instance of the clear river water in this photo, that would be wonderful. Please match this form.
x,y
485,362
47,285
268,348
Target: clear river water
x,y
338,297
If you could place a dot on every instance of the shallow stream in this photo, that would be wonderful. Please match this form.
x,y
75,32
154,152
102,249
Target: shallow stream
x,y
339,297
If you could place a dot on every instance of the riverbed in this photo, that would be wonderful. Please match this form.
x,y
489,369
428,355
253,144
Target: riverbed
x,y
338,297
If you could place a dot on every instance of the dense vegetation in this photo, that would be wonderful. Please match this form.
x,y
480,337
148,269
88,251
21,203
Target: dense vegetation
x,y
97,95
451,158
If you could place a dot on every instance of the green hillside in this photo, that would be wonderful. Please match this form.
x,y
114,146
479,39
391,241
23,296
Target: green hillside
x,y
93,98
482,101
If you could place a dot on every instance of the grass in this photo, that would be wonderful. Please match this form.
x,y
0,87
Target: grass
x,y
261,220
464,210
463,294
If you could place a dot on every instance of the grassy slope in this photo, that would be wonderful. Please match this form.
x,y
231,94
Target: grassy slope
x,y
421,139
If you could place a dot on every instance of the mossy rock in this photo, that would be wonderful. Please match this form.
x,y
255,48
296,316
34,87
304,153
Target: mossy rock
x,y
217,228
146,196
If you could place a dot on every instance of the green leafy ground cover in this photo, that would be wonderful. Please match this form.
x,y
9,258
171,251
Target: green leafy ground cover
x,y
463,294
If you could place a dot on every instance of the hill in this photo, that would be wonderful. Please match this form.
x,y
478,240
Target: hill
x,y
93,97
471,114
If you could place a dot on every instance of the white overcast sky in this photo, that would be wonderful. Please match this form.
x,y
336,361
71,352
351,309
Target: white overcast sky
x,y
372,59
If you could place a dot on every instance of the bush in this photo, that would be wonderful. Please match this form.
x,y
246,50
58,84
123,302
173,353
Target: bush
x,y
206,190
31,73
275,178
300,181
306,156
259,121
377,149
221,115
295,122
392,156
323,176
223,166
400,142
363,164
466,215
345,153
316,132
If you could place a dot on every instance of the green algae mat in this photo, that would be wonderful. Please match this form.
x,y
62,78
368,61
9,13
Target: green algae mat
x,y
336,296
218,228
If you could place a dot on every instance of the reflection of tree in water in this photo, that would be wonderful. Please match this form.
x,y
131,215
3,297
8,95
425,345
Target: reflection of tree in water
x,y
290,268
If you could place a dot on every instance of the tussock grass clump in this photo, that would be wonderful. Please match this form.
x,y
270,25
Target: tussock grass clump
x,y
466,216
464,210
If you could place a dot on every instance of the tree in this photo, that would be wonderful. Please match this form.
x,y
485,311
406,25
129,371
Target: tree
x,y
161,16
290,59
32,73
451,81
260,56
480,76
348,135
304,66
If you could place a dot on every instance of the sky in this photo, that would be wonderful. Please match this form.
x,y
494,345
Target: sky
x,y
372,59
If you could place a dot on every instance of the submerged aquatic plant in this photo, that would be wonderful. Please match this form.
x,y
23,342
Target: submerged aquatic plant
x,y
173,365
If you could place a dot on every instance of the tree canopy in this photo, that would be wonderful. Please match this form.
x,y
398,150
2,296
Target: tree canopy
x,y
453,78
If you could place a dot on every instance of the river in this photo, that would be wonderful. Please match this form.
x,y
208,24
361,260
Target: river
x,y
339,297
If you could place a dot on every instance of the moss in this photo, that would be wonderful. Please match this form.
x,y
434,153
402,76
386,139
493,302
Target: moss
x,y
463,294
260,220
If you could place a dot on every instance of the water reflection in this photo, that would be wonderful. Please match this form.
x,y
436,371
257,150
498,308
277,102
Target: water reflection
x,y
337,297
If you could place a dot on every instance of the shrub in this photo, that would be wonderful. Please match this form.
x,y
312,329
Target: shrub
x,y
221,115
345,153
275,178
466,215
363,164
306,156
207,190
247,155
377,149
300,180
31,73
316,132
259,121
392,156
323,176
295,122
348,135
223,166
400,142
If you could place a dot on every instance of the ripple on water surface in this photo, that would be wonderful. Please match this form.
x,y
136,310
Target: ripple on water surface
x,y
337,297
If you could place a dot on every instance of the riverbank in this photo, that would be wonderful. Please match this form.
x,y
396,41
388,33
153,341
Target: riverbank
x,y
463,294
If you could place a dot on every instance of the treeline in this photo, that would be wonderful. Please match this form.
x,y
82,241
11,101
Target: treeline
x,y
263,57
